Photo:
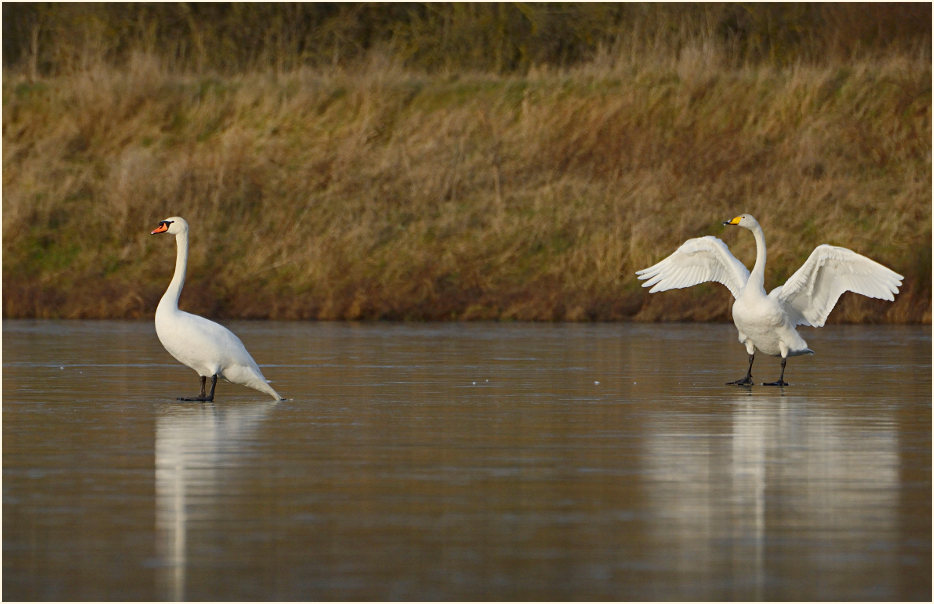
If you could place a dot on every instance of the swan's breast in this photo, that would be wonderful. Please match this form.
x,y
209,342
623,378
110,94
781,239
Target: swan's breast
x,y
196,342
761,321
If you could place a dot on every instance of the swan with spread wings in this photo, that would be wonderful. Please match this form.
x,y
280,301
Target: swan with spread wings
x,y
767,321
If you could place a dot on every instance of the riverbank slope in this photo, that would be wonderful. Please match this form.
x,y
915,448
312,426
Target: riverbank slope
x,y
380,193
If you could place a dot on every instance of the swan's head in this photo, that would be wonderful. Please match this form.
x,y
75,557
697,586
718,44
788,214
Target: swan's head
x,y
172,226
744,220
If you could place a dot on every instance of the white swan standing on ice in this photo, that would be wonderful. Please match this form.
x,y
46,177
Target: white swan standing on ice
x,y
767,322
210,349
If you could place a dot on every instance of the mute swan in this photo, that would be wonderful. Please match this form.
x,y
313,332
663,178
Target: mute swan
x,y
767,322
210,349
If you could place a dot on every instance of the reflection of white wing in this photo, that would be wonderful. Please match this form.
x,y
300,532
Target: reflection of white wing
x,y
193,444
811,293
696,261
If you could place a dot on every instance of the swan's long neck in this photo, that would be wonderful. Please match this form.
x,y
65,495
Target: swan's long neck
x,y
757,276
171,295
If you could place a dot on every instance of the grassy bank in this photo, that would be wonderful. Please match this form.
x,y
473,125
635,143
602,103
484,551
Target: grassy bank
x,y
384,193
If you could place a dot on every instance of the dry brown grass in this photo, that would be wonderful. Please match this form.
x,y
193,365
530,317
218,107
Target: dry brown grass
x,y
381,193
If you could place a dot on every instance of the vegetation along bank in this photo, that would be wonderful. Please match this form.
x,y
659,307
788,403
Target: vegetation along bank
x,y
386,180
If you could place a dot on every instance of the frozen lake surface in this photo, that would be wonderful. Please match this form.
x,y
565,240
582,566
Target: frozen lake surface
x,y
467,462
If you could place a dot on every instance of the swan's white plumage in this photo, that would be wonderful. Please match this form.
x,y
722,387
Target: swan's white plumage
x,y
207,347
813,290
767,322
697,261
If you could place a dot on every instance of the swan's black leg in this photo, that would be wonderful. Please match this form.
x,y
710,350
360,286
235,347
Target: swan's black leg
x,y
746,381
781,379
203,397
213,384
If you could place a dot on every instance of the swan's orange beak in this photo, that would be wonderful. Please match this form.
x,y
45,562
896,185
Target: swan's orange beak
x,y
163,227
734,222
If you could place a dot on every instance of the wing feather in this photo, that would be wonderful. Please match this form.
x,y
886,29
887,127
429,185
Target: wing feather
x,y
697,261
813,290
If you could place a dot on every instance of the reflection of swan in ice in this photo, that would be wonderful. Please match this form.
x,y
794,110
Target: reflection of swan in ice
x,y
725,497
196,448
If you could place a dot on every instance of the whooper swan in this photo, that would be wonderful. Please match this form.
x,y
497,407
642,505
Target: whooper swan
x,y
767,322
210,349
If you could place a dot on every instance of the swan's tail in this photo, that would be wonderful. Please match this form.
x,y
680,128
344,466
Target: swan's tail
x,y
801,352
265,387
251,378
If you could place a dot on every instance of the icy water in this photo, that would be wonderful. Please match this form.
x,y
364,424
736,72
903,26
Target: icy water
x,y
467,461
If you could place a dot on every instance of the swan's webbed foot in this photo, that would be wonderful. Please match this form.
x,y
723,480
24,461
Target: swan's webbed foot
x,y
203,398
781,379
746,381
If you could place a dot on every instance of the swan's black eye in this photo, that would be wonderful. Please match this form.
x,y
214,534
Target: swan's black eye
x,y
166,222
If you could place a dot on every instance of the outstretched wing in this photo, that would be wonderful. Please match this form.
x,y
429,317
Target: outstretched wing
x,y
696,261
811,293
